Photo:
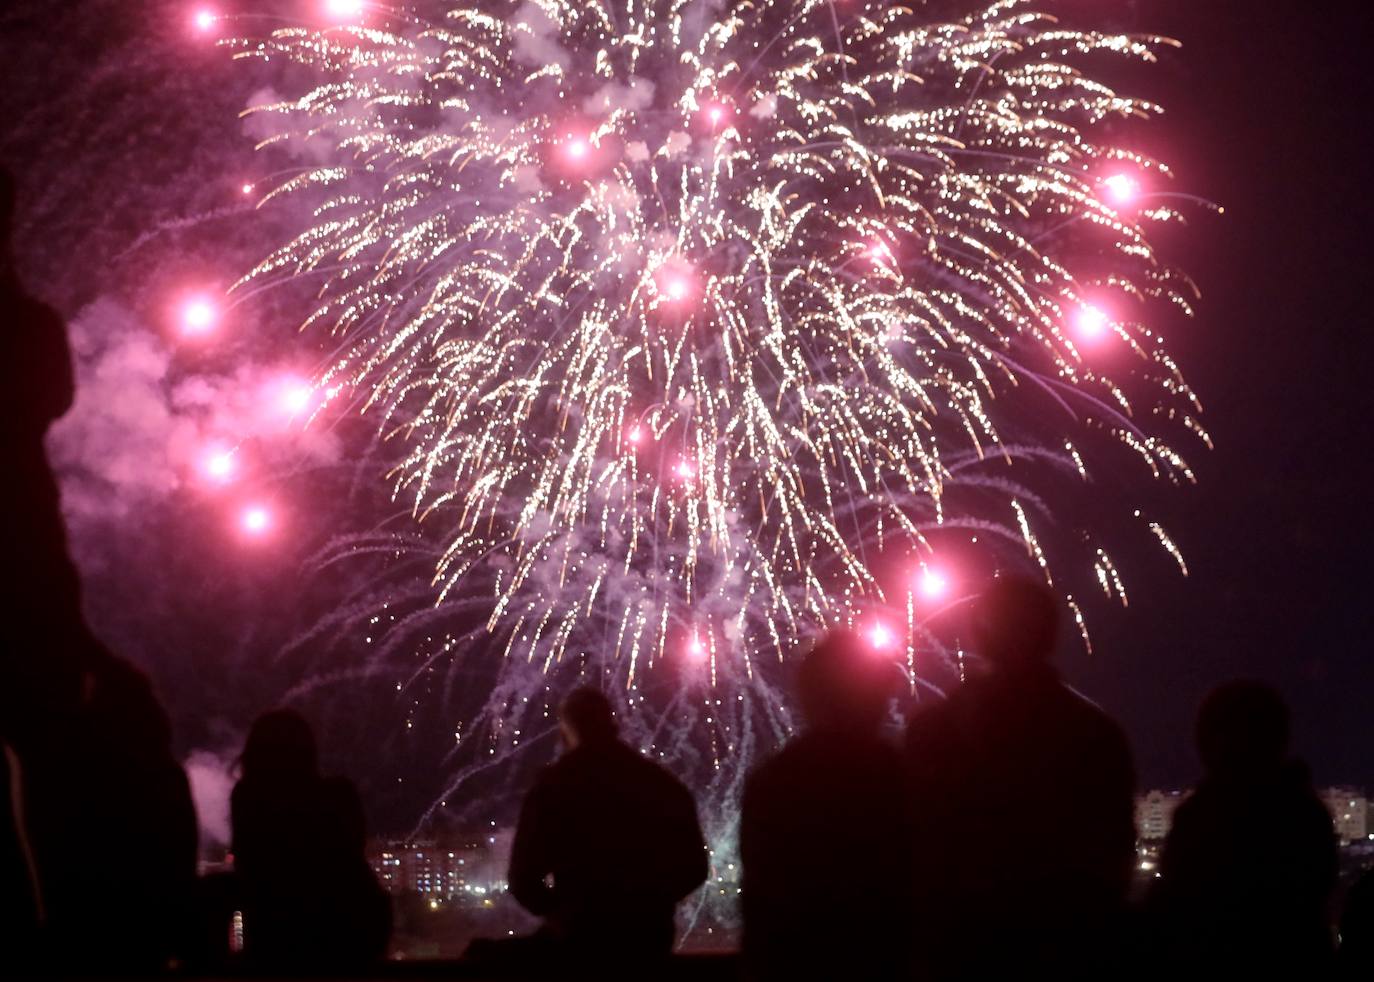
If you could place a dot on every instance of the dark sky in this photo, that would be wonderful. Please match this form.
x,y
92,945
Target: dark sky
x,y
1268,115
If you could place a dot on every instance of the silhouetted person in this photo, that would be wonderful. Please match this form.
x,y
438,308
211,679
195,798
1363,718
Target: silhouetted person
x,y
1250,862
35,389
1022,801
98,811
41,603
823,837
310,899
607,844
1356,955
112,828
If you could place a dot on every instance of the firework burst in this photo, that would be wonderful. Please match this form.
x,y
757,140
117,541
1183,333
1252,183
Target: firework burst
x,y
693,318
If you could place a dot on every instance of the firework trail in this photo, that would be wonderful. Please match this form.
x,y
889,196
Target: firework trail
x,y
693,318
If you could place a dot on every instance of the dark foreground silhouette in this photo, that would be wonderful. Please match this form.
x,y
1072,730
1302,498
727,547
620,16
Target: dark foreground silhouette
x,y
1250,863
1022,798
823,835
607,844
1356,956
98,837
309,898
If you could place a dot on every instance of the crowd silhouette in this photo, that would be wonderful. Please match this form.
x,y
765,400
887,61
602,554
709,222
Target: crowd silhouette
x,y
867,853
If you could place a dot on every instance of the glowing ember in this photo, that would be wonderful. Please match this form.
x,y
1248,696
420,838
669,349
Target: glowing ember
x,y
1121,188
879,252
219,465
1092,321
932,583
296,397
256,519
344,10
881,636
198,315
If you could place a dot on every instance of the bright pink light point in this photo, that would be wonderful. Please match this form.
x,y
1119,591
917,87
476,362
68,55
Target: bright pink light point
x,y
248,189
343,9
219,465
634,435
696,648
685,470
256,520
1092,321
676,287
577,148
296,397
881,636
933,583
1122,188
204,20
198,316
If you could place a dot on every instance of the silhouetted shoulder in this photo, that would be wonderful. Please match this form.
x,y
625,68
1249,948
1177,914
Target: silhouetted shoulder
x,y
38,361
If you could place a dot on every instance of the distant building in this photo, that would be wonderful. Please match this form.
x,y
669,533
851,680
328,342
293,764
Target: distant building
x,y
463,867
1154,814
1349,811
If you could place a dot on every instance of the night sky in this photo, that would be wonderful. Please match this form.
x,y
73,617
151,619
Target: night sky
x,y
1269,116
120,128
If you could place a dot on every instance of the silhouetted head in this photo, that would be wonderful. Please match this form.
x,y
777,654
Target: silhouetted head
x,y
586,718
843,683
1015,623
1242,728
280,747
